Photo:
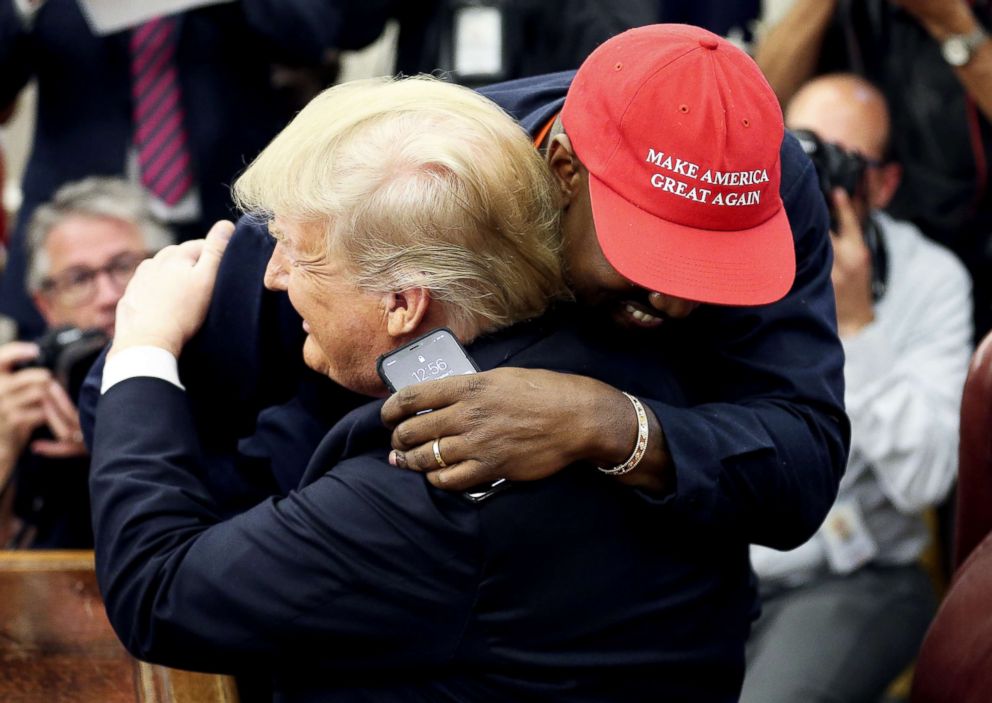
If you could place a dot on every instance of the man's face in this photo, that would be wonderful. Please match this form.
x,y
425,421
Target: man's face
x,y
90,262
596,283
857,122
345,326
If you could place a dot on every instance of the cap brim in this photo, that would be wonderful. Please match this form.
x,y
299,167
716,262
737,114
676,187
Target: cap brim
x,y
742,267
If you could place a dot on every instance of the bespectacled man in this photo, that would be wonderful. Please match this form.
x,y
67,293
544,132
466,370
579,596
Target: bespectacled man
x,y
83,248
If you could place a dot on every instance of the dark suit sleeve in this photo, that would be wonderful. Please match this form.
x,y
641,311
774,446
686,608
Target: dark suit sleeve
x,y
247,329
359,569
226,386
89,396
531,101
16,63
764,451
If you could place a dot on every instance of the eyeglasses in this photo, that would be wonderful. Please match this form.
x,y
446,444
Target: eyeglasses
x,y
77,285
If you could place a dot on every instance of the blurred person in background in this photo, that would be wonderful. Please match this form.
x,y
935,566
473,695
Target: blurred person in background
x,y
177,104
478,42
83,247
733,20
844,613
5,114
932,59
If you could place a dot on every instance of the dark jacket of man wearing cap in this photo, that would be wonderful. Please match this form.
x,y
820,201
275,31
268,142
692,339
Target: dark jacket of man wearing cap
x,y
760,451
763,444
370,584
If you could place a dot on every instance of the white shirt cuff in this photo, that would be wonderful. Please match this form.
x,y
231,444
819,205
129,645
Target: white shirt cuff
x,y
145,362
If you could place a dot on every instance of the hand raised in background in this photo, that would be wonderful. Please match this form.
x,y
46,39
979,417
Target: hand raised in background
x,y
940,17
851,274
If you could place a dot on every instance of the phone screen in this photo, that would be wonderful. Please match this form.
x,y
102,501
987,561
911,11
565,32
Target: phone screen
x,y
435,355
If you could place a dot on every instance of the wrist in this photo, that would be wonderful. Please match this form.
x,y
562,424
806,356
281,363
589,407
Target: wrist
x,y
129,341
640,444
609,428
823,10
656,472
850,325
10,450
959,19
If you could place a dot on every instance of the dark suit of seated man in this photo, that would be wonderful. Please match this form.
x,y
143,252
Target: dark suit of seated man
x,y
399,207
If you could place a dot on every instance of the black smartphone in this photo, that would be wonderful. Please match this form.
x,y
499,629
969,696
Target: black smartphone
x,y
438,354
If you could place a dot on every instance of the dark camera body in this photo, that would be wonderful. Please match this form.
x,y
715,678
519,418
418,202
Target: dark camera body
x,y
68,352
835,167
838,168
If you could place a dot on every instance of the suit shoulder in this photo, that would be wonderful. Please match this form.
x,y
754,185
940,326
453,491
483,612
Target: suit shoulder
x,y
398,497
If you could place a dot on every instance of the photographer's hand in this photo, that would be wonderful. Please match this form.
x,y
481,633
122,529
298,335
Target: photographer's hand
x,y
851,274
22,395
63,420
166,301
945,18
789,51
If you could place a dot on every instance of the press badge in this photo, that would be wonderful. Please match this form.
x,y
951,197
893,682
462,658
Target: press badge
x,y
478,41
847,542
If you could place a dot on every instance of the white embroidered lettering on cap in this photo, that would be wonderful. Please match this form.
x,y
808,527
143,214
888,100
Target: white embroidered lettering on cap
x,y
669,184
682,147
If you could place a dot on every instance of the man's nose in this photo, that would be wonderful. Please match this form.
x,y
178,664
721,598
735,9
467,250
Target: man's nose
x,y
275,270
108,292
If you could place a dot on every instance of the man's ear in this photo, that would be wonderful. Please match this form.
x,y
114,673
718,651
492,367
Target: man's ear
x,y
565,167
405,310
884,181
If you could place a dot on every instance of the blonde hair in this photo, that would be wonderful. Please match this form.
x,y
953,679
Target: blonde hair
x,y
417,182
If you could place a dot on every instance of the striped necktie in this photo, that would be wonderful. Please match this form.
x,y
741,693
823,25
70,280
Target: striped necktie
x,y
160,136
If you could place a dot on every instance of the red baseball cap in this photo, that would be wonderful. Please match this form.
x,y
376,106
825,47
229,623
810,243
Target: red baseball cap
x,y
681,134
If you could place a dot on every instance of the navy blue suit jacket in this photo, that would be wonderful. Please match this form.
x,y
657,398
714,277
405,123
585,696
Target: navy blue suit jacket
x,y
224,57
759,452
369,584
765,444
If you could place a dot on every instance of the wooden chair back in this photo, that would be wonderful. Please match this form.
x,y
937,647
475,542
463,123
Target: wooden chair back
x,y
56,643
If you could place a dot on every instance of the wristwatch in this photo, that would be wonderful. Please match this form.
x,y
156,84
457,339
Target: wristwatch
x,y
958,49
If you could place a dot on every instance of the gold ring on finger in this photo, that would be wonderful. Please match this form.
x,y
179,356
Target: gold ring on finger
x,y
437,453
